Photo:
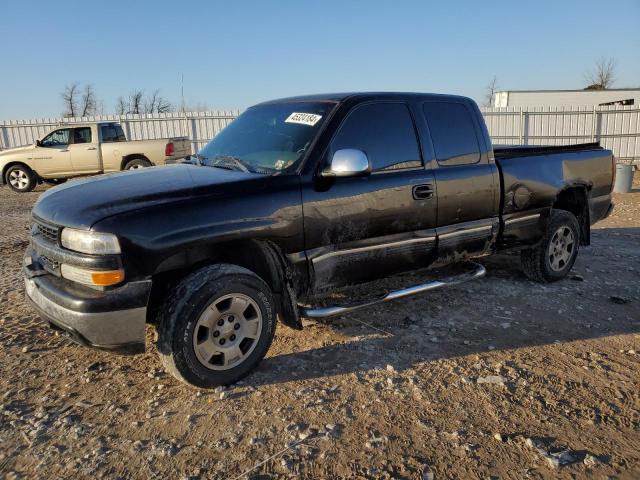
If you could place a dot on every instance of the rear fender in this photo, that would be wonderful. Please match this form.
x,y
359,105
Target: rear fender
x,y
574,198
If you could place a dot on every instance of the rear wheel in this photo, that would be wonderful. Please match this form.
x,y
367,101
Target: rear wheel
x,y
216,326
553,258
21,178
136,163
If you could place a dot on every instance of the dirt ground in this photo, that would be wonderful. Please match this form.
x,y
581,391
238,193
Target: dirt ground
x,y
500,378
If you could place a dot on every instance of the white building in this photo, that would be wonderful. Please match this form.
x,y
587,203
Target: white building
x,y
590,98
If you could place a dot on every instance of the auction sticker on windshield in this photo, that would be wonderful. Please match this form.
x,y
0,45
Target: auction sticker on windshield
x,y
303,118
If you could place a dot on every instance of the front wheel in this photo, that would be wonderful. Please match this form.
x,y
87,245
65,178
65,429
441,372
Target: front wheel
x,y
553,258
216,326
21,178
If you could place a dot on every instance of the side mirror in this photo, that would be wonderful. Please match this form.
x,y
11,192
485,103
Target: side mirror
x,y
348,162
38,143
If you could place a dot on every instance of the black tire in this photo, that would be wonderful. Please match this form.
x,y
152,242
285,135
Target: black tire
x,y
537,262
189,302
21,178
137,163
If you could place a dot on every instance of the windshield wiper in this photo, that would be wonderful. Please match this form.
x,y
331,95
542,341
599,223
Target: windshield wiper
x,y
229,160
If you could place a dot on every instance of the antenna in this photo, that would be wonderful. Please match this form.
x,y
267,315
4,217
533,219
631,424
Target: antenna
x,y
182,89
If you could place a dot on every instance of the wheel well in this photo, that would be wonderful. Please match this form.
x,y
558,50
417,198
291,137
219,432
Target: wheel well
x,y
133,156
261,257
11,164
575,200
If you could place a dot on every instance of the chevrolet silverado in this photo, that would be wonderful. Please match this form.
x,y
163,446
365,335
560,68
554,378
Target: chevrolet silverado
x,y
294,197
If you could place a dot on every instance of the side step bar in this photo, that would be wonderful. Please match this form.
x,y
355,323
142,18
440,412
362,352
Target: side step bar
x,y
478,272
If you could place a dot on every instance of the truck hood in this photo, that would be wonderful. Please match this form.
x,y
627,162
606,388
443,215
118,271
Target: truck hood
x,y
82,203
12,151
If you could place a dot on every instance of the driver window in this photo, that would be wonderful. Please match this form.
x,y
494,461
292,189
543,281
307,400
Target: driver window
x,y
56,138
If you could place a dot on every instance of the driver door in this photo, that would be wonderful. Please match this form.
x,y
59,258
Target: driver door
x,y
358,228
52,157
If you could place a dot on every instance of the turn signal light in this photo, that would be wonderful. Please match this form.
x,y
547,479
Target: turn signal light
x,y
104,279
98,278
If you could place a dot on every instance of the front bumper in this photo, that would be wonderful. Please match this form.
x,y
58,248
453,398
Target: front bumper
x,y
112,320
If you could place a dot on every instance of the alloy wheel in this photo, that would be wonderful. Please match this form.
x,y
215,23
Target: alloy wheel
x,y
19,179
561,248
227,331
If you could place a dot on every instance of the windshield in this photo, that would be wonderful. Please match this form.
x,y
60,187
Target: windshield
x,y
266,138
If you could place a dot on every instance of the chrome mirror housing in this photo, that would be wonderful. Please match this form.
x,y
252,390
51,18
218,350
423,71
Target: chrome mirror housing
x,y
348,162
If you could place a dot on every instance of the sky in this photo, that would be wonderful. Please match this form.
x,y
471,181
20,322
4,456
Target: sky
x,y
233,54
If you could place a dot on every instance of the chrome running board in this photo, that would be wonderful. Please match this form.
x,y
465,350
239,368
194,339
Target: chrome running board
x,y
478,272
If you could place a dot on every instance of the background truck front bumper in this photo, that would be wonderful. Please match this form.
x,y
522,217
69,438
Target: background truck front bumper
x,y
111,320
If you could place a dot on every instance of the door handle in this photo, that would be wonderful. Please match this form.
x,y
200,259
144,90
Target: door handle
x,y
422,192
91,148
65,150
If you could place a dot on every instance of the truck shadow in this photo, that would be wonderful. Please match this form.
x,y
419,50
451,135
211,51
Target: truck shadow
x,y
504,311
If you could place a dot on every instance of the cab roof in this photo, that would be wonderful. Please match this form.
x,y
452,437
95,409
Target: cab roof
x,y
363,96
87,124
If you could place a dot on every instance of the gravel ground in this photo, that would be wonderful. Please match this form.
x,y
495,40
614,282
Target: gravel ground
x,y
499,378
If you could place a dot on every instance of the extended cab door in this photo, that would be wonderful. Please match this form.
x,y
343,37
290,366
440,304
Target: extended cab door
x,y
360,228
110,136
51,157
84,150
466,176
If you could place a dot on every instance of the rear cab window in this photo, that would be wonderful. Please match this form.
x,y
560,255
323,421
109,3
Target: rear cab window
x,y
453,133
112,134
385,132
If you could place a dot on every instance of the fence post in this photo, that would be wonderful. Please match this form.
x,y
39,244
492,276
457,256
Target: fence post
x,y
523,138
193,130
4,138
597,125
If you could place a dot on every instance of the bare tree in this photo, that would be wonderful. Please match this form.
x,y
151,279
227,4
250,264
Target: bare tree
x,y
491,90
602,75
136,101
150,103
122,107
89,102
157,104
163,105
70,99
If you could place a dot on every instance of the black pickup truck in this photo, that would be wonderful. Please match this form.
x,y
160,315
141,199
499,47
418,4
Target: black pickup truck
x,y
294,197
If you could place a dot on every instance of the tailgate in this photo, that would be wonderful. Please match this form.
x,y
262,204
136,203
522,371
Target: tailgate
x,y
182,147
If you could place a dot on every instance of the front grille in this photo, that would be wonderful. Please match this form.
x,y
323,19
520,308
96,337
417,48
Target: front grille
x,y
50,233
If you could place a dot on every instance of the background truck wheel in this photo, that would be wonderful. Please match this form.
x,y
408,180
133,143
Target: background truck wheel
x,y
216,326
137,163
554,256
21,178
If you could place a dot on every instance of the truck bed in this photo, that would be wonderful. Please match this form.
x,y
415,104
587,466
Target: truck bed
x,y
513,151
535,177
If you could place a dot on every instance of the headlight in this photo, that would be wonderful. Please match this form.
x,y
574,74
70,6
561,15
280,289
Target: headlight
x,y
86,241
100,278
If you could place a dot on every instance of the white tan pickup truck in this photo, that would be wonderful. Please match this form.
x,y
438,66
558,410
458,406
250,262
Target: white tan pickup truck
x,y
80,149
